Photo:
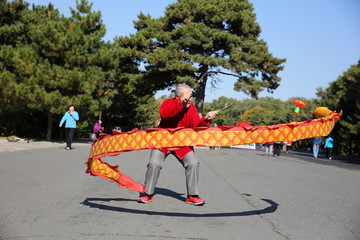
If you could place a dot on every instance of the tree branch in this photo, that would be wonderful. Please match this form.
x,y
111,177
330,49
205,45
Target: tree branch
x,y
229,74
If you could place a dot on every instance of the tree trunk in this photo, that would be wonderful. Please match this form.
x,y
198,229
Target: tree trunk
x,y
200,96
49,127
200,91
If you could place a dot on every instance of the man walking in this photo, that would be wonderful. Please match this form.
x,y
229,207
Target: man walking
x,y
71,117
329,144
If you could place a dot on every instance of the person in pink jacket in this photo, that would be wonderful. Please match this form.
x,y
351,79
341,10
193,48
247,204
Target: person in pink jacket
x,y
97,128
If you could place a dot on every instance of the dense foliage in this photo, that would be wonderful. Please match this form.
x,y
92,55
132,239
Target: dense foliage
x,y
260,112
344,95
49,61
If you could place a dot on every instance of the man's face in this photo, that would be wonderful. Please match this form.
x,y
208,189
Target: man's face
x,y
186,97
71,108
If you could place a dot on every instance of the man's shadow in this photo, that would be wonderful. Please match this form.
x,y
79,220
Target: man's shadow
x,y
99,203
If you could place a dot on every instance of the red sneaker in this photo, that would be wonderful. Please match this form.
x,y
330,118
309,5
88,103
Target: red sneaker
x,y
195,200
145,199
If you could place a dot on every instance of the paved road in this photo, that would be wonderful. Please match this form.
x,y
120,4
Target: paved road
x,y
45,194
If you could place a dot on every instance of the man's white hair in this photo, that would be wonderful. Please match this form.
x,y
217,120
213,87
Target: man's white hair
x,y
180,88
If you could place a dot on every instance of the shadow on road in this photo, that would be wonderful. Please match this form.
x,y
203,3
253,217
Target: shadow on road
x,y
100,203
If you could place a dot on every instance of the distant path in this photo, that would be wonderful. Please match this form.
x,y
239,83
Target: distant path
x,y
6,146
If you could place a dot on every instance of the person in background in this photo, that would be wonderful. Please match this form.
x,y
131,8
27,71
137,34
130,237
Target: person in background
x,y
215,148
329,144
283,144
269,148
177,112
288,147
97,128
316,146
277,149
70,117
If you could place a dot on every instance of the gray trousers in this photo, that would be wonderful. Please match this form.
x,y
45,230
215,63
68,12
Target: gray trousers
x,y
269,149
156,163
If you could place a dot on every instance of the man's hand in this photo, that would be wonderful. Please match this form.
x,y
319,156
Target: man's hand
x,y
60,125
211,115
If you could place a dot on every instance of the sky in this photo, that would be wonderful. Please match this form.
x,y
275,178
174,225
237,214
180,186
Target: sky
x,y
320,39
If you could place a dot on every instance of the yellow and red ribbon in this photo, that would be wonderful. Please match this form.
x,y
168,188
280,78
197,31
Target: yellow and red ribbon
x,y
224,136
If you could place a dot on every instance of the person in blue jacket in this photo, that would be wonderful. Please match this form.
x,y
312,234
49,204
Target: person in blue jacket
x,y
329,144
71,117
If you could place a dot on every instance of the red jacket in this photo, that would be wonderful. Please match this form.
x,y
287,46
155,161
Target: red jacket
x,y
174,115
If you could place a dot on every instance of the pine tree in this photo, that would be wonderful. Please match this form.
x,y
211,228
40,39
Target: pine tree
x,y
15,19
201,40
77,60
49,61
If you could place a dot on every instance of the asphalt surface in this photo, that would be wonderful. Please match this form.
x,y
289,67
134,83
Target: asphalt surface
x,y
45,194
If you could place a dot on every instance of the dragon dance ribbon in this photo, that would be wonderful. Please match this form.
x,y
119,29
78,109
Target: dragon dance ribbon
x,y
224,136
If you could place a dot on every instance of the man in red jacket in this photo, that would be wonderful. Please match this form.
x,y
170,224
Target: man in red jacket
x,y
177,112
